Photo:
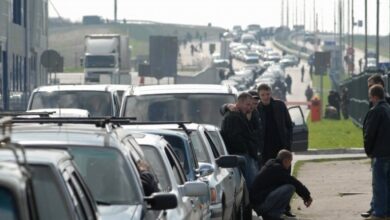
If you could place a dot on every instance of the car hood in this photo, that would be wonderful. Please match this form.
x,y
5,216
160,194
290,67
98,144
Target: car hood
x,y
120,212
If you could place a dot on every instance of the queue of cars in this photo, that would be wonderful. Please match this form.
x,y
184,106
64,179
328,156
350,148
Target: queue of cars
x,y
89,167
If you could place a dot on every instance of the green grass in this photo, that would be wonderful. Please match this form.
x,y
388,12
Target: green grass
x,y
334,134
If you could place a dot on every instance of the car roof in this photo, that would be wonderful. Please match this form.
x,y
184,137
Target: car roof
x,y
182,88
66,134
10,172
189,126
102,88
155,130
148,139
37,156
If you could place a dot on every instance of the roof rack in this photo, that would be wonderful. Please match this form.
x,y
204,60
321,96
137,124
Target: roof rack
x,y
98,121
40,114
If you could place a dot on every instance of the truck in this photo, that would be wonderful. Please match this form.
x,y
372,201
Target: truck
x,y
106,59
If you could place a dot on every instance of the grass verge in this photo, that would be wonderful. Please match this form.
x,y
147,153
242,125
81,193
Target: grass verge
x,y
333,134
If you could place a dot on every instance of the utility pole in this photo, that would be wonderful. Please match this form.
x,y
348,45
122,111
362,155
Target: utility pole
x,y
288,13
296,12
115,11
349,23
352,35
282,14
304,14
365,33
377,32
314,16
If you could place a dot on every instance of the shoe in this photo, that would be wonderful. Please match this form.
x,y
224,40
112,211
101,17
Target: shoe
x,y
366,214
289,214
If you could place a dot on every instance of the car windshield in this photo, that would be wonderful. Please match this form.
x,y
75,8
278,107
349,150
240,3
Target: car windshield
x,y
199,108
8,210
107,175
50,200
100,61
97,103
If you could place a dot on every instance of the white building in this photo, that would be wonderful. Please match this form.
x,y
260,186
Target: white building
x,y
23,38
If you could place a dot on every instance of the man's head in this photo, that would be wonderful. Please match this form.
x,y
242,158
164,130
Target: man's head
x,y
376,93
286,157
255,99
244,102
265,93
375,79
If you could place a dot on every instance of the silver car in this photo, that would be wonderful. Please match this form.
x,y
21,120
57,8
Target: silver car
x,y
172,178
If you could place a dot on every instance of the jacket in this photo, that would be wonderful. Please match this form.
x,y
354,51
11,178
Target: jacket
x,y
238,134
271,176
376,130
283,121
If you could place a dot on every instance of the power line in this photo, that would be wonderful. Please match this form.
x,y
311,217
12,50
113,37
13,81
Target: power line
x,y
55,9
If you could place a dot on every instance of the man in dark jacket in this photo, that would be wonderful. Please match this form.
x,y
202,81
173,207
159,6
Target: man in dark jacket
x,y
273,188
240,137
276,124
374,80
376,132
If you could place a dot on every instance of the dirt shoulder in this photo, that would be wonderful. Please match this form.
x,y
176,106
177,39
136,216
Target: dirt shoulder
x,y
341,189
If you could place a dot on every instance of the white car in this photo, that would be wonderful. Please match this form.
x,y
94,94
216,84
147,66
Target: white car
x,y
98,100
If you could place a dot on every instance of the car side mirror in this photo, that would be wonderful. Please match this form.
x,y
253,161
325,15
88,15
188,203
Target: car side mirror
x,y
195,189
161,201
230,161
205,169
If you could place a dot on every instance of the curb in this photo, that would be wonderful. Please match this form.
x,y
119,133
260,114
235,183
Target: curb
x,y
332,151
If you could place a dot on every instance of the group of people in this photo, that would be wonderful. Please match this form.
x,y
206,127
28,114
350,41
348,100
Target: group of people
x,y
259,128
376,132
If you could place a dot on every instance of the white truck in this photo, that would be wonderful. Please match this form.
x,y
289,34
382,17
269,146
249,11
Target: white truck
x,y
106,59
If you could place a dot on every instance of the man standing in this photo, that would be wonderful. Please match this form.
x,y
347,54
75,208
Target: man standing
x,y
289,83
302,72
276,124
273,188
240,137
376,131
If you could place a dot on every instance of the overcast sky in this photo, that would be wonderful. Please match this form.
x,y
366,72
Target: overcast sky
x,y
223,13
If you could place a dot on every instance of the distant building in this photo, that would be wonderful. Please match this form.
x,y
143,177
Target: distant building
x,y
92,19
23,38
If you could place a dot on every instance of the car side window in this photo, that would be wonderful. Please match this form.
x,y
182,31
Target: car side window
x,y
74,194
154,159
212,145
176,167
84,196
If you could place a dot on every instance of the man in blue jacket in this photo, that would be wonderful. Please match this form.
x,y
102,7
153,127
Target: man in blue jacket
x,y
273,187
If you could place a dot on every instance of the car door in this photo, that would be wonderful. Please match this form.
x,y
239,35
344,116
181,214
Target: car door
x,y
300,130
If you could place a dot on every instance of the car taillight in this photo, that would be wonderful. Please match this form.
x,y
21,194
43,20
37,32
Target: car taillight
x,y
213,195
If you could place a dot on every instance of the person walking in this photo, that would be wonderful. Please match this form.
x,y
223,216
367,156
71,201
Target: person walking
x,y
376,133
302,72
274,187
240,137
309,94
345,102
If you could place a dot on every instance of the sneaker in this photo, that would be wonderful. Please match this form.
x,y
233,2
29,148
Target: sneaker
x,y
366,214
289,214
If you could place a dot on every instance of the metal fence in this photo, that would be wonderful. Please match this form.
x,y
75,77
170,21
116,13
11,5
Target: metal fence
x,y
358,96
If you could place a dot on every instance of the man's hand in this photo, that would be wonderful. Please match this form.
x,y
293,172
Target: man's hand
x,y
232,107
308,202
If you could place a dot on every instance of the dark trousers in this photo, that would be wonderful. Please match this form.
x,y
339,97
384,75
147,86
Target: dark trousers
x,y
276,202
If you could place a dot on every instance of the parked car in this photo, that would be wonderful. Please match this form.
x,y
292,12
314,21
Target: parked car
x,y
172,178
191,102
300,129
98,100
103,158
56,190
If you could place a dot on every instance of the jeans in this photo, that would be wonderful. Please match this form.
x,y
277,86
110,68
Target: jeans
x,y
249,170
276,202
381,186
